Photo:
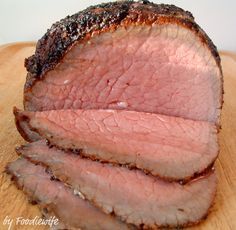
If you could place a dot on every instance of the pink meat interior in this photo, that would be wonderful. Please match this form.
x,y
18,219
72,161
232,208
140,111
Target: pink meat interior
x,y
161,69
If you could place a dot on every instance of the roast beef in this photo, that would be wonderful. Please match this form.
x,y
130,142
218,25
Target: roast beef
x,y
170,147
135,197
56,199
160,68
127,55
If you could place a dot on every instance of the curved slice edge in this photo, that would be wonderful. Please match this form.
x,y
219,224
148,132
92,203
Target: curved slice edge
x,y
31,134
28,176
62,174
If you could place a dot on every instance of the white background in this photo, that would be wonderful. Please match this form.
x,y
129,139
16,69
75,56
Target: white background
x,y
27,20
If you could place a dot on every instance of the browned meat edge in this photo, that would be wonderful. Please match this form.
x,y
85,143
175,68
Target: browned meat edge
x,y
31,200
23,119
45,209
52,47
35,136
142,226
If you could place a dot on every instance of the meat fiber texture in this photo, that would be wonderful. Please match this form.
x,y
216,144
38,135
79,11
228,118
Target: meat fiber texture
x,y
153,62
127,55
169,147
56,199
136,198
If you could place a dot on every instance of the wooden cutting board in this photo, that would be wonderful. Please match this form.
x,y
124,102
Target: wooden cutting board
x,y
13,203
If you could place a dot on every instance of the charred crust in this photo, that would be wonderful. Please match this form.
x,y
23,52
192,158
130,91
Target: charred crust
x,y
53,46
19,119
22,119
184,181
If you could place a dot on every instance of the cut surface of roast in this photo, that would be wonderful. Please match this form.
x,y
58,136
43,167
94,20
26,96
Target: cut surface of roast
x,y
169,147
127,55
56,199
136,198
116,96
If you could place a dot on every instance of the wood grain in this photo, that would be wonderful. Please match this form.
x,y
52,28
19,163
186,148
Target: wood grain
x,y
13,203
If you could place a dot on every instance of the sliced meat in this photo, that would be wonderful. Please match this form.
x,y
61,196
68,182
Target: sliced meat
x,y
127,55
170,147
53,196
130,194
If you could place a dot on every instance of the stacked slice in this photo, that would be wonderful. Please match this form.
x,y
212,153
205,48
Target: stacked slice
x,y
56,199
169,147
122,108
129,194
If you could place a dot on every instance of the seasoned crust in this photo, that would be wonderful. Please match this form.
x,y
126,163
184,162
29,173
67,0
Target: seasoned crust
x,y
52,47
20,122
31,134
142,226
